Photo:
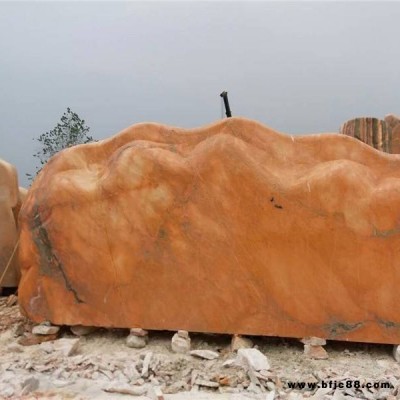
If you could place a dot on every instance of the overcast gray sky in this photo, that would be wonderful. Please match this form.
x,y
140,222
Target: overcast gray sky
x,y
297,67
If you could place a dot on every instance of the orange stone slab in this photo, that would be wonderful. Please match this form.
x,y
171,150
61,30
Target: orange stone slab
x,y
230,228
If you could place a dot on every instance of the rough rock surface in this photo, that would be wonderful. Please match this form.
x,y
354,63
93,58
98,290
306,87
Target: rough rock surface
x,y
11,198
231,228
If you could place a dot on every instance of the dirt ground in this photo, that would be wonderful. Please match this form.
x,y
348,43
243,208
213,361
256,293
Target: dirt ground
x,y
103,367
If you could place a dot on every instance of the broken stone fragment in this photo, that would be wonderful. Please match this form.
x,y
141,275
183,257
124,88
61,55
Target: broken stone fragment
x,y
313,341
45,328
315,352
80,330
180,342
65,346
270,385
146,364
240,342
206,354
30,339
229,363
205,383
136,341
29,385
252,358
125,388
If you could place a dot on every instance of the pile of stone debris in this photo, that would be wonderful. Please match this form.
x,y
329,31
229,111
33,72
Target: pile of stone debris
x,y
46,361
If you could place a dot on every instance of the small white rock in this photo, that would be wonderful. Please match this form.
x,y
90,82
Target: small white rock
x,y
229,363
45,329
205,383
253,358
271,386
180,344
125,388
146,363
206,354
396,352
136,342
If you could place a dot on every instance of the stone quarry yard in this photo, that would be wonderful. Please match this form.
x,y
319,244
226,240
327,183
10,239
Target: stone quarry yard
x,y
101,366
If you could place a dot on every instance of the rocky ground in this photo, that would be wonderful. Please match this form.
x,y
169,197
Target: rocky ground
x,y
100,365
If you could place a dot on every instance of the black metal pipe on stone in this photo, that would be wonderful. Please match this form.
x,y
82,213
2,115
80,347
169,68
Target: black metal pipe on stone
x,y
228,112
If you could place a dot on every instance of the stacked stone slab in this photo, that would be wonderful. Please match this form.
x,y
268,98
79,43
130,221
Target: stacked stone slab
x,y
372,131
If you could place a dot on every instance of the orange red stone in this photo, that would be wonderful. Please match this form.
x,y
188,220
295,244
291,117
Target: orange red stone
x,y
231,228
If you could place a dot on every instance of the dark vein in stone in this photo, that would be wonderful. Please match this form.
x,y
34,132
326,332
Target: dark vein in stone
x,y
48,260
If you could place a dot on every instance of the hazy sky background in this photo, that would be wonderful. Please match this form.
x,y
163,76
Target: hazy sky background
x,y
297,67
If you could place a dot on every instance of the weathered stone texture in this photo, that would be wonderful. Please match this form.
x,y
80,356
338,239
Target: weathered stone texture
x,y
393,123
371,131
231,228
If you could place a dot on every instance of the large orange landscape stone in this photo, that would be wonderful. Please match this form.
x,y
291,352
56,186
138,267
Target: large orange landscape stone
x,y
10,199
231,228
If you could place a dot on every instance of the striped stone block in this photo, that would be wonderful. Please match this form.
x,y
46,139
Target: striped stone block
x,y
372,131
